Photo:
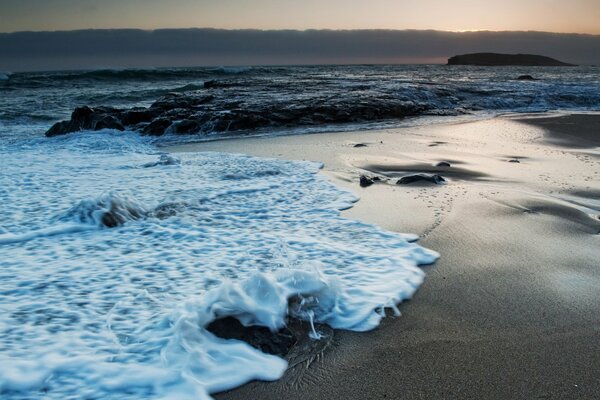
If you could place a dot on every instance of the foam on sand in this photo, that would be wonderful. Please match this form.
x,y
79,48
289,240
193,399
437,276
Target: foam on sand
x,y
97,309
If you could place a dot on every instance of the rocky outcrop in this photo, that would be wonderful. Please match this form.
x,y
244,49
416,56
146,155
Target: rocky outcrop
x,y
213,111
85,118
496,59
526,78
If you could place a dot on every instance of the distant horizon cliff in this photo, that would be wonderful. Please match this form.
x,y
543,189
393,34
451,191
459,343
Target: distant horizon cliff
x,y
135,48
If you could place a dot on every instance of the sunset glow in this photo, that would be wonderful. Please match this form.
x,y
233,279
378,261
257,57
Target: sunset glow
x,y
576,16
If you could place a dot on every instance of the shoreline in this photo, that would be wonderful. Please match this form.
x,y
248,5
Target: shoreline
x,y
511,309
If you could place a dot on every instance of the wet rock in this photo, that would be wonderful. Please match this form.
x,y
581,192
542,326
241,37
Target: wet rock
x,y
86,118
278,343
186,126
365,181
168,210
226,111
109,122
59,128
526,78
157,127
119,214
435,178
137,116
81,118
165,159
248,122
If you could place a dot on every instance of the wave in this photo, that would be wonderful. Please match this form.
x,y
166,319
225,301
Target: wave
x,y
133,75
108,211
7,238
232,70
125,312
221,102
130,74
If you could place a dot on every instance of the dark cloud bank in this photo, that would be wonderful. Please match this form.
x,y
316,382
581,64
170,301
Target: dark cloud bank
x,y
26,51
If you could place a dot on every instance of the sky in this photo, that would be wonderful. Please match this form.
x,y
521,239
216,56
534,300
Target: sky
x,y
568,16
91,49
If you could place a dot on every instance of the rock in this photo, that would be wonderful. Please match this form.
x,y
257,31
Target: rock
x,y
196,113
119,213
360,145
81,119
247,122
86,118
365,181
186,126
496,59
168,210
157,127
277,343
165,159
405,180
137,115
514,160
59,128
82,116
526,78
443,164
109,122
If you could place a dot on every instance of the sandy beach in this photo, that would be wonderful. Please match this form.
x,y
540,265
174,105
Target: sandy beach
x,y
512,308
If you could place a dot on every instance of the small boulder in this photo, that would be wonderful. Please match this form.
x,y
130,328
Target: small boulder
x,y
437,179
365,181
526,78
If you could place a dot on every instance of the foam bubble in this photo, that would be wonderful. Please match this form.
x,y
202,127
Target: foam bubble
x,y
88,311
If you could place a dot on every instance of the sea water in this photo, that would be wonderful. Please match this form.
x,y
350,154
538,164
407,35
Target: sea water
x,y
115,256
93,307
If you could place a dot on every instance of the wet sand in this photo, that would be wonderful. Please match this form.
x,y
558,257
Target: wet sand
x,y
582,130
512,308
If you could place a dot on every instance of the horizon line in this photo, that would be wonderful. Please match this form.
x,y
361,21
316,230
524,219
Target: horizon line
x,y
299,30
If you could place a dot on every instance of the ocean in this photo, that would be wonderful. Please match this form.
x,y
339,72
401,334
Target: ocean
x,y
115,256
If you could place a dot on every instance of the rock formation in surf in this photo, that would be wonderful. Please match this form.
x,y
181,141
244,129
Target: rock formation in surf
x,y
202,112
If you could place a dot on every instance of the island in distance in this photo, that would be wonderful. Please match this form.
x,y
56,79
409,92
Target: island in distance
x,y
496,59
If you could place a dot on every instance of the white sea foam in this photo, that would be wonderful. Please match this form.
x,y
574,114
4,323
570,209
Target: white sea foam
x,y
232,70
92,311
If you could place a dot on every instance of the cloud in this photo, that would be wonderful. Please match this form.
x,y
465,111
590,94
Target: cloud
x,y
187,47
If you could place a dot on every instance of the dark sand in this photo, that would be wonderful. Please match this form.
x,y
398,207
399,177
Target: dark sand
x,y
512,308
581,130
